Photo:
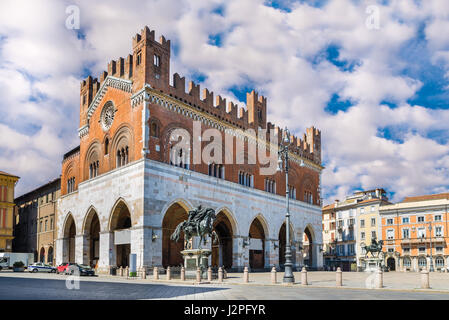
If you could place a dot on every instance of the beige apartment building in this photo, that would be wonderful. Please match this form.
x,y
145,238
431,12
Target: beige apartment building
x,y
350,224
35,228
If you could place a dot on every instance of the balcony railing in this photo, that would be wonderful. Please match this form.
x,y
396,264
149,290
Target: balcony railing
x,y
407,241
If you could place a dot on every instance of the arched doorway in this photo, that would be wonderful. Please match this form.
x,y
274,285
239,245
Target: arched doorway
x,y
92,232
171,250
69,236
120,224
308,247
222,250
257,245
391,264
42,255
282,245
50,255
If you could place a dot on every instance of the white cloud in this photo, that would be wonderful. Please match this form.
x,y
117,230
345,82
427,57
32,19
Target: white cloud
x,y
273,50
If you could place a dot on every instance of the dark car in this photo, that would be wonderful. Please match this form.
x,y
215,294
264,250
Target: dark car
x,y
80,269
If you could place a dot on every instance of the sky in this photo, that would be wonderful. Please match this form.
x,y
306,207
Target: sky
x,y
373,76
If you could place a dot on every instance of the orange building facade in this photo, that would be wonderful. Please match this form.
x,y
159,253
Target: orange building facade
x,y
415,233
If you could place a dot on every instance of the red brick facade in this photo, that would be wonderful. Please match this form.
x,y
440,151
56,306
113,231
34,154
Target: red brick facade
x,y
150,64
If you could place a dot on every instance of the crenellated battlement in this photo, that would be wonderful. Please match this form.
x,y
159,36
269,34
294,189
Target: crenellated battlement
x,y
149,64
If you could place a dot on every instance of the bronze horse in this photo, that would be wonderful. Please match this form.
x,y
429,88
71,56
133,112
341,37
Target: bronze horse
x,y
376,246
199,223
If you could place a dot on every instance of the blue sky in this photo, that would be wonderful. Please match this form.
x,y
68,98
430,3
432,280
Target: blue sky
x,y
379,95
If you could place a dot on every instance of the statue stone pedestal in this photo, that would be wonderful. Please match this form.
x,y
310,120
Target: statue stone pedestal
x,y
373,264
194,258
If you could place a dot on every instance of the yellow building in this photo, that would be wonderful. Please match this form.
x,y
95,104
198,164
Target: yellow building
x,y
7,185
369,225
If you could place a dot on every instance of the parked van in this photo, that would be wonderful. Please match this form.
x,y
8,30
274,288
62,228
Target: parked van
x,y
7,259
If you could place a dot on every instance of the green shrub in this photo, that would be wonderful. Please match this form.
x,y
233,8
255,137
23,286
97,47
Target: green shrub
x,y
18,264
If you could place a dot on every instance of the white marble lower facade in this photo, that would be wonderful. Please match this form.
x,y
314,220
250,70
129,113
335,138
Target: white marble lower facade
x,y
148,189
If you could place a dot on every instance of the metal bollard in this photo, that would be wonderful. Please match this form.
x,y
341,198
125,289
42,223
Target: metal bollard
x,y
304,277
245,275
425,283
168,273
379,279
198,274
220,274
339,277
121,272
156,273
183,274
209,274
127,271
273,275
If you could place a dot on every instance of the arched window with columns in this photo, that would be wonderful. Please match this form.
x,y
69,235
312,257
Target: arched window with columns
x,y
93,160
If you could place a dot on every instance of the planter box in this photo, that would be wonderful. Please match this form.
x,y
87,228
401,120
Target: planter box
x,y
18,269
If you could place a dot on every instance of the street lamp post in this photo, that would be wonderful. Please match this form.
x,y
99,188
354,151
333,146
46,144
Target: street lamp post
x,y
431,259
283,157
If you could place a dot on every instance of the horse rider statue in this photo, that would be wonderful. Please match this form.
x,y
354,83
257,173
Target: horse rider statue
x,y
376,246
199,223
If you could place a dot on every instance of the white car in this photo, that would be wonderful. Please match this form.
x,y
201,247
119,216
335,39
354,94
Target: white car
x,y
41,267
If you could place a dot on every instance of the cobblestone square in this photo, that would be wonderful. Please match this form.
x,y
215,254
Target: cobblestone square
x,y
403,286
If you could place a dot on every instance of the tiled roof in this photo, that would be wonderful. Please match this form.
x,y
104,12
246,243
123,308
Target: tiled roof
x,y
427,197
329,206
2,173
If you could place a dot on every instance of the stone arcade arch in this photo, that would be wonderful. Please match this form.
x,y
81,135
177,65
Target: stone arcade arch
x,y
308,247
171,251
42,255
91,230
222,251
120,224
69,239
50,255
257,235
282,245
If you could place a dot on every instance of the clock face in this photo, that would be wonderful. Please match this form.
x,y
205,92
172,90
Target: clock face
x,y
107,117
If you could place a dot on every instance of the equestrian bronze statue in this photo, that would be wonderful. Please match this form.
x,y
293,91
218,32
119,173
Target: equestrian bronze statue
x,y
375,247
199,223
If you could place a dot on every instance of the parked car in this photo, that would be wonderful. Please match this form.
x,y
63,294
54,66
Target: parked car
x,y
62,267
41,267
83,270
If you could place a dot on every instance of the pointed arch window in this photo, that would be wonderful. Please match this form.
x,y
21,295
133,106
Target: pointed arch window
x,y
246,179
270,185
71,185
106,146
122,157
179,157
217,170
94,169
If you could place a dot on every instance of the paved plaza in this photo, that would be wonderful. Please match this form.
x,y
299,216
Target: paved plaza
x,y
17,286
